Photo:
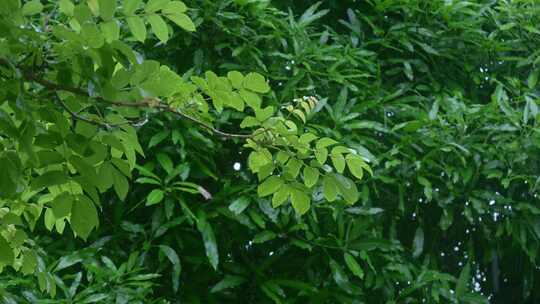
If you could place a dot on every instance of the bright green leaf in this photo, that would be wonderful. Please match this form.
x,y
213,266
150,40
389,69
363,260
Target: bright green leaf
x,y
300,201
137,27
311,176
107,9
84,217
256,83
159,27
183,21
154,197
32,7
269,186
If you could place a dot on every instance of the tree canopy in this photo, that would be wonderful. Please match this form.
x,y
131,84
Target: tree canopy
x,y
256,151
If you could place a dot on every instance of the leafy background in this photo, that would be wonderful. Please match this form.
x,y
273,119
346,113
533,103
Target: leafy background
x,y
441,98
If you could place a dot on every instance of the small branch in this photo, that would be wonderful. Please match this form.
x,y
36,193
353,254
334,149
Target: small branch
x,y
145,103
82,118
208,127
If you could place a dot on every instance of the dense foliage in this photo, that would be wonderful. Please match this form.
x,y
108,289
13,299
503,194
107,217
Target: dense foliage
x,y
352,152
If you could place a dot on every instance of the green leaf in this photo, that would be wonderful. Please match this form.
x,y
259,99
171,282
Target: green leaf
x,y
107,9
49,219
175,261
256,83
61,205
106,177
427,187
183,21
155,5
321,154
325,142
347,188
209,239
239,205
121,185
49,178
269,186
249,121
251,99
174,8
158,138
229,281
280,196
300,201
84,217
130,6
165,162
154,197
111,31
355,164
236,79
418,242
82,13
6,253
339,162
300,115
264,236
66,7
533,79
330,188
32,7
29,263
263,114
91,34
339,275
353,265
137,27
311,176
159,27
292,168
463,281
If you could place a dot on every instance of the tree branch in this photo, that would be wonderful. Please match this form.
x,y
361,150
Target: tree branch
x,y
145,103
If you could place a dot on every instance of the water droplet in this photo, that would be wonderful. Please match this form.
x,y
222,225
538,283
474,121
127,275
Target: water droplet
x,y
271,253
456,248
442,254
288,68
492,202
420,200
467,231
237,166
